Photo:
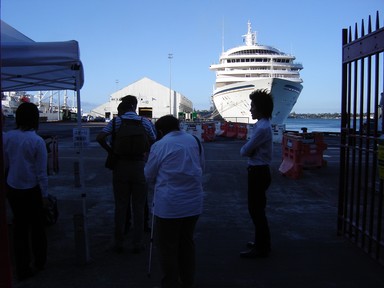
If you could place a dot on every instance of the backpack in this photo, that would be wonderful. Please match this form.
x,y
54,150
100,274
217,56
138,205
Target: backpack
x,y
131,140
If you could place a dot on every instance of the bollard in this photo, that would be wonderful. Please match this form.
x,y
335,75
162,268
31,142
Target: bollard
x,y
80,224
76,172
81,239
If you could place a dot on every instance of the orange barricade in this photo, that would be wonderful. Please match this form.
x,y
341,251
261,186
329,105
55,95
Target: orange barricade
x,y
241,131
291,165
209,130
301,151
223,129
312,150
231,131
228,129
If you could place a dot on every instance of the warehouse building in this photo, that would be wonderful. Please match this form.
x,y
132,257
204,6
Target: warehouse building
x,y
154,101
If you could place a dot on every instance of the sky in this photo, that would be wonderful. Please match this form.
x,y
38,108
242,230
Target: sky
x,y
123,41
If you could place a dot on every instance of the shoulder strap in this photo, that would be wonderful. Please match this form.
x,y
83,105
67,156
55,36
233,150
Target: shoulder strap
x,y
198,143
113,131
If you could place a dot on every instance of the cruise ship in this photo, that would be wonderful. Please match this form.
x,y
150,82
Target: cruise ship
x,y
252,66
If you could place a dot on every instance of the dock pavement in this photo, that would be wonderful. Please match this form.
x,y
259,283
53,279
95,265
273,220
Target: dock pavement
x,y
306,250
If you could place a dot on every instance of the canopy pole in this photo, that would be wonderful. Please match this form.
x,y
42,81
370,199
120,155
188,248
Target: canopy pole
x,y
80,219
5,259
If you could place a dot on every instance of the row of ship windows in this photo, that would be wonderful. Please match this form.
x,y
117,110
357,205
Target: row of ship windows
x,y
261,69
255,51
234,77
279,60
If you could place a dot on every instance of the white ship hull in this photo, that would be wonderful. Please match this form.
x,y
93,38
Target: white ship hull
x,y
233,103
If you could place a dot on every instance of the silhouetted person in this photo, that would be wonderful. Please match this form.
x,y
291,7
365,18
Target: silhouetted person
x,y
258,149
129,184
27,190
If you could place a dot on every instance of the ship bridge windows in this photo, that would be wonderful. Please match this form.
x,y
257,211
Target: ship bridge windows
x,y
241,60
255,51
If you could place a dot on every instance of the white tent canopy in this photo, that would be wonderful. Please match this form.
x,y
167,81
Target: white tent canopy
x,y
38,66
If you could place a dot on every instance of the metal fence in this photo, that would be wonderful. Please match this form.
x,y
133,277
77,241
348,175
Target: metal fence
x,y
361,201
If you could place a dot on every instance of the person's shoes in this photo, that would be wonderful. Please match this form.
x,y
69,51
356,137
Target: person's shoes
x,y
118,249
38,268
138,249
250,244
254,253
25,275
127,227
147,228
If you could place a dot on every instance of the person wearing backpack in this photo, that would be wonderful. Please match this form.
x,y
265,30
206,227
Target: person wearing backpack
x,y
132,136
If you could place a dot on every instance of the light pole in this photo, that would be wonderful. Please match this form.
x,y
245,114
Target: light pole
x,y
170,56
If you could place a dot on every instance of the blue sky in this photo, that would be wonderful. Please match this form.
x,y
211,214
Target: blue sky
x,y
125,41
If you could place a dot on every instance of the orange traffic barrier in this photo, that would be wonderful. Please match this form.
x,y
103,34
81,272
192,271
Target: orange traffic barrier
x,y
209,132
223,129
301,151
291,165
241,131
231,130
312,150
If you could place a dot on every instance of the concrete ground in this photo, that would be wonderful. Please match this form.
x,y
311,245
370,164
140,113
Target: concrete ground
x,y
306,251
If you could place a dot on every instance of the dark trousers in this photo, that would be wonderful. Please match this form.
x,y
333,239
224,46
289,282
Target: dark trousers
x,y
29,237
176,250
259,179
130,188
129,216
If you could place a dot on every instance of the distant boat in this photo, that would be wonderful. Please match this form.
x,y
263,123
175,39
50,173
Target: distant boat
x,y
50,111
9,103
249,67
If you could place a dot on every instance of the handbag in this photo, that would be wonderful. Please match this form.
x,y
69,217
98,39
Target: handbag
x,y
51,210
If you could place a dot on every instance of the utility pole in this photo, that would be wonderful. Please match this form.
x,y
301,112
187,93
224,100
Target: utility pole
x,y
170,56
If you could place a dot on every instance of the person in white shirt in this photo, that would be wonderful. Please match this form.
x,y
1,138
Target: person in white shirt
x,y
175,168
258,149
25,155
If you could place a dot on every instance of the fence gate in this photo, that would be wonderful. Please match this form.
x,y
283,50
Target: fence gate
x,y
361,203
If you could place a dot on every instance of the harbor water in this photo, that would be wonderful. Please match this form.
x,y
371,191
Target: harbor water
x,y
313,125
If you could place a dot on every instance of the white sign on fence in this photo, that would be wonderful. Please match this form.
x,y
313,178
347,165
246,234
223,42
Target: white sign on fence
x,y
80,137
